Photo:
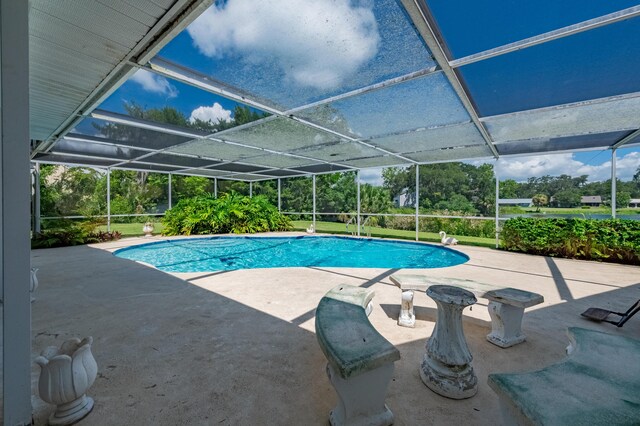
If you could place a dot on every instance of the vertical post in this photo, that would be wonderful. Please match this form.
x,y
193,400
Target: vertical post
x,y
250,189
417,202
279,200
314,201
215,187
109,200
170,200
495,173
613,183
14,211
37,227
358,200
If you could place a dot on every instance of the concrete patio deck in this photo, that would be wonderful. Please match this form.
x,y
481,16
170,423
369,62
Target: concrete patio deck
x,y
238,348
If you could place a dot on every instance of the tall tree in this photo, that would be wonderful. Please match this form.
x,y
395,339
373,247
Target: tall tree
x,y
539,200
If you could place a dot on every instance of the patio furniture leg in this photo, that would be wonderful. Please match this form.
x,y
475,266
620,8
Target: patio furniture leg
x,y
506,324
407,316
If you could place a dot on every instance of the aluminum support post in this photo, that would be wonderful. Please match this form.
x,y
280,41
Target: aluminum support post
x,y
358,200
15,212
614,191
314,202
417,202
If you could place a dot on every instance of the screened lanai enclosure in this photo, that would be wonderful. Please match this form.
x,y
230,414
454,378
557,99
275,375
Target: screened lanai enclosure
x,y
276,91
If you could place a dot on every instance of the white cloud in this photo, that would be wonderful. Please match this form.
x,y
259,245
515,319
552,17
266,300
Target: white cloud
x,y
154,83
371,176
521,168
316,43
213,113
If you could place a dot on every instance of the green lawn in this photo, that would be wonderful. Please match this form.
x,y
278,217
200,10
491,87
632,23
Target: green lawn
x,y
131,229
135,230
340,228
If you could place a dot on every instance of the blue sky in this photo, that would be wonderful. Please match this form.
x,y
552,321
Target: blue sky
x,y
290,56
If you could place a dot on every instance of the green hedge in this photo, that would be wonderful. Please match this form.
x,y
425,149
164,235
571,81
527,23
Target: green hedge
x,y
62,233
612,240
230,213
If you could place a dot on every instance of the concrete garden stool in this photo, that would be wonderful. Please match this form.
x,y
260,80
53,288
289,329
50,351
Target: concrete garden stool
x,y
446,368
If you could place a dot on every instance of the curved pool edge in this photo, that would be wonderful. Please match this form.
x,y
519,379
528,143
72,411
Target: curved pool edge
x,y
464,256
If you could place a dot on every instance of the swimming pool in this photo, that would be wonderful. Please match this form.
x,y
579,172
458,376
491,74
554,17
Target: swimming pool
x,y
231,253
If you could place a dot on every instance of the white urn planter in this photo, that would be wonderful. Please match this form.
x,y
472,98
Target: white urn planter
x,y
65,376
148,229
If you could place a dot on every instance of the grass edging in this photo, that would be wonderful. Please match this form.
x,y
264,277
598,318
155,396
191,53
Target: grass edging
x,y
340,229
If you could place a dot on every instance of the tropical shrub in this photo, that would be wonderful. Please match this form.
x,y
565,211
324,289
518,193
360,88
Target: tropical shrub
x,y
611,240
230,213
64,233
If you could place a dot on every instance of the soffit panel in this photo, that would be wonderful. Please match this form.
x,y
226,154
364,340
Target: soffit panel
x,y
73,46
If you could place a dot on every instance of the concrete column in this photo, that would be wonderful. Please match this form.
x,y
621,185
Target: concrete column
x,y
279,200
613,183
170,190
109,200
358,198
495,173
14,211
314,201
37,227
417,202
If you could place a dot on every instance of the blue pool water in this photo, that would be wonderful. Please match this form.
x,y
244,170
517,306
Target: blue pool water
x,y
231,253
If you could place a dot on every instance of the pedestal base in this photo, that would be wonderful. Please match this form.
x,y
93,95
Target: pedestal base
x,y
506,325
361,398
70,413
449,381
407,316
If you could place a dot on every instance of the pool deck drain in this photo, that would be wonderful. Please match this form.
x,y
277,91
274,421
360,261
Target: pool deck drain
x,y
238,347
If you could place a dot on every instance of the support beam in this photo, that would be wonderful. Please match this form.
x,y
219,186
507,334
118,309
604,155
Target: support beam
x,y
279,199
314,201
419,17
14,211
614,191
590,24
358,200
626,139
170,199
495,173
417,202
108,200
